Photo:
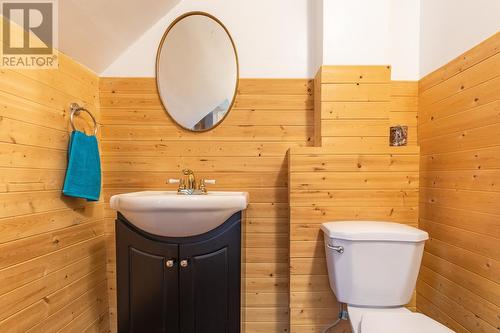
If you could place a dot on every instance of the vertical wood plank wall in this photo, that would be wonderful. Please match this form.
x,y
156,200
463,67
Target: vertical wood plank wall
x,y
355,174
459,133
52,248
142,148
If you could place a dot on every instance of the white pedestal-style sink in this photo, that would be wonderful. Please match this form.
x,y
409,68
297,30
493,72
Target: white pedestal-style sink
x,y
166,213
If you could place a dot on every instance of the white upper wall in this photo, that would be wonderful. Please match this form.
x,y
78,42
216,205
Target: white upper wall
x,y
404,33
317,43
355,32
96,32
373,32
451,27
292,38
274,38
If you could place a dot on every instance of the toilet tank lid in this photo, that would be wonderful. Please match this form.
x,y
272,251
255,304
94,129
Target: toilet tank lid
x,y
373,231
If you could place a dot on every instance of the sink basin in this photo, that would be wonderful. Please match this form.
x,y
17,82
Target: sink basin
x,y
166,213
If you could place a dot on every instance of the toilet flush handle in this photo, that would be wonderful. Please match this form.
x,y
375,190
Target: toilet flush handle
x,y
339,249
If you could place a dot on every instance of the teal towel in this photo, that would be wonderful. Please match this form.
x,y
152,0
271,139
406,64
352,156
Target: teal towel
x,y
83,176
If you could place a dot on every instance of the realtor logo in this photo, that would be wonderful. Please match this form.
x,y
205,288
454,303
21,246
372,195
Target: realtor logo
x,y
29,34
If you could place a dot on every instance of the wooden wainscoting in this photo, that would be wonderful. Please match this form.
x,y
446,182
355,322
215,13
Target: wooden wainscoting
x,y
459,130
354,175
142,148
52,248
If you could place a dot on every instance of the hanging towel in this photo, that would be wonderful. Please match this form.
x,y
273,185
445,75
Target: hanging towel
x,y
83,176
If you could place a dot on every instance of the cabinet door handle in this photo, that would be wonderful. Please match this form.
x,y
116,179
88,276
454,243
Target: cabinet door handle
x,y
170,263
184,263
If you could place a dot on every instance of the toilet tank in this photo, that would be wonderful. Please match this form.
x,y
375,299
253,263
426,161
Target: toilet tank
x,y
372,263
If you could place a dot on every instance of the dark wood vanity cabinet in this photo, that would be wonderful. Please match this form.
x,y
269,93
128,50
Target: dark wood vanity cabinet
x,y
179,285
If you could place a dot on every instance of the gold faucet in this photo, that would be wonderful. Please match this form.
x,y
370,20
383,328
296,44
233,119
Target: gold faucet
x,y
188,184
191,180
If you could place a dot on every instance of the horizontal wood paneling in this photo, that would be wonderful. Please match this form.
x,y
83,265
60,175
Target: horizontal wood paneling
x,y
355,74
142,147
353,175
459,197
224,133
52,248
255,117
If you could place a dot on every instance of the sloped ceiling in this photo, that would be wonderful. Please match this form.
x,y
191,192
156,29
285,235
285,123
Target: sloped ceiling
x,y
96,32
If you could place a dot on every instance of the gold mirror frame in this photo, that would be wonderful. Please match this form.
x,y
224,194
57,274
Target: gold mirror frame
x,y
157,67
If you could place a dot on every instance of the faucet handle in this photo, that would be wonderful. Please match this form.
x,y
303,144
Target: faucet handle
x,y
182,184
202,186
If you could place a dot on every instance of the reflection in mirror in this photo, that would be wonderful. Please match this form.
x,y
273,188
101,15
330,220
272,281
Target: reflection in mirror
x,y
197,71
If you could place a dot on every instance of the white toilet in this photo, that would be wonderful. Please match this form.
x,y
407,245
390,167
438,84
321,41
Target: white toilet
x,y
373,267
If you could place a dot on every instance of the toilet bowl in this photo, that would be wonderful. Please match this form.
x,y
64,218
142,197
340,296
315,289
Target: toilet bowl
x,y
373,268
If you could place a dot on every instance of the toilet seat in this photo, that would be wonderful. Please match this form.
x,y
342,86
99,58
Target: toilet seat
x,y
392,320
356,314
380,322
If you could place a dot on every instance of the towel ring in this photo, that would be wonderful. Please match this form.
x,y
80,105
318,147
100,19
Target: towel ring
x,y
75,110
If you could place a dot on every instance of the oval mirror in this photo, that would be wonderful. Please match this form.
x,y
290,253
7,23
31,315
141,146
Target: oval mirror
x,y
197,71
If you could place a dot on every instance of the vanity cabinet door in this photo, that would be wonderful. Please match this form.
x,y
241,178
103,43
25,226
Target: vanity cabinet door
x,y
147,283
209,282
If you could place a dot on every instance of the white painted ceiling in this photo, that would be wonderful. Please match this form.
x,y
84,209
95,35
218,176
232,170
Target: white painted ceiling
x,y
96,32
